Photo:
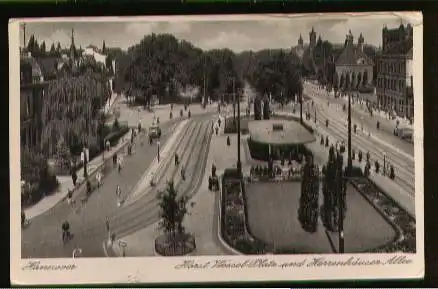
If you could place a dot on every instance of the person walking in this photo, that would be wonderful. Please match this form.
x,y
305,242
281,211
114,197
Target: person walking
x,y
176,159
99,179
183,173
118,194
119,164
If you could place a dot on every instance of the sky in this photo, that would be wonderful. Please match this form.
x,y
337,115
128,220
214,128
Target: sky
x,y
237,34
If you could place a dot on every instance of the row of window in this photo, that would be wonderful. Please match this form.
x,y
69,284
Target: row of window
x,y
398,85
391,66
399,105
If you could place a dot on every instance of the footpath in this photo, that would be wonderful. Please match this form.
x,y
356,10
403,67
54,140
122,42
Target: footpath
x,y
202,219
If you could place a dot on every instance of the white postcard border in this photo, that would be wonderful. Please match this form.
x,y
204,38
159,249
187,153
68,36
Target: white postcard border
x,y
164,269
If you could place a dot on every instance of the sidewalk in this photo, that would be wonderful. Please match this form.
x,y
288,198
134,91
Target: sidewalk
x,y
66,183
401,196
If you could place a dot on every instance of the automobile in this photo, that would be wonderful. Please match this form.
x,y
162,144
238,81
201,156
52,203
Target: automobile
x,y
403,133
154,131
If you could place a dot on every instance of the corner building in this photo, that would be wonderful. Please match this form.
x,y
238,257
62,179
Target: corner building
x,y
395,72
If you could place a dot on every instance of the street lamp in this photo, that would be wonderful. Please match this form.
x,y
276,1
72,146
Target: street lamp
x,y
84,158
384,164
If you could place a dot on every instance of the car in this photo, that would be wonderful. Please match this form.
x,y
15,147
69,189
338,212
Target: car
x,y
154,131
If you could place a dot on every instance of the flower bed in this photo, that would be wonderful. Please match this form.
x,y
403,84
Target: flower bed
x,y
400,219
234,229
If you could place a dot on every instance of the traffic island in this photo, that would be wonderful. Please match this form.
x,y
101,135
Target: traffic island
x,y
178,244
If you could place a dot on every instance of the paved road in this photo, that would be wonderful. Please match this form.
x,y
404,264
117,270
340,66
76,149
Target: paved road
x,y
403,162
386,131
43,237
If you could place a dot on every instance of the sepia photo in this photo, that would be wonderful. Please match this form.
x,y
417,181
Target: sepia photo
x,y
216,148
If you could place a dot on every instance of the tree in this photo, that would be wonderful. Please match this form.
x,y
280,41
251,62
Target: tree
x,y
58,49
333,185
266,109
43,47
103,47
308,209
52,51
172,211
257,108
63,155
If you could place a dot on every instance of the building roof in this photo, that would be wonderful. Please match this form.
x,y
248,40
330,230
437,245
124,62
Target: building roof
x,y
30,61
401,48
353,56
49,65
292,133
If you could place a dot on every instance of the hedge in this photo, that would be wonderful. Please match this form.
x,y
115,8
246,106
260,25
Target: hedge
x,y
260,151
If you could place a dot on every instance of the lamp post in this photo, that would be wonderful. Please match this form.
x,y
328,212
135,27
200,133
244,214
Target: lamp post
x,y
384,164
239,164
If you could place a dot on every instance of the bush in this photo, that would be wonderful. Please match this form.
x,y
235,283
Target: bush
x,y
116,124
39,180
114,136
356,171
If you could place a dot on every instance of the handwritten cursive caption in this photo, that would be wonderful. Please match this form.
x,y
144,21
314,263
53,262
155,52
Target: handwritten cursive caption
x,y
38,266
306,262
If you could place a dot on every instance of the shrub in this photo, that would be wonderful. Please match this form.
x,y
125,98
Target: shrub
x,y
116,124
39,180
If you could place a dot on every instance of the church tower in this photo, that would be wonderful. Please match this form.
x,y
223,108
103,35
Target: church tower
x,y
360,42
72,47
300,41
312,36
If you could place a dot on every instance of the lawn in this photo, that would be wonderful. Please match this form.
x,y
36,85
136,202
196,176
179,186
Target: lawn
x,y
272,218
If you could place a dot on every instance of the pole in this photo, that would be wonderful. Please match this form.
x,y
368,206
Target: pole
x,y
350,163
234,103
239,164
24,36
384,164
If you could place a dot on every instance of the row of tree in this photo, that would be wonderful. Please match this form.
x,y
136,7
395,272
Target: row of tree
x,y
334,193
169,68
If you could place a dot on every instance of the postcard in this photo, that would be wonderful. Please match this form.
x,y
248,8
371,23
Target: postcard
x,y
216,148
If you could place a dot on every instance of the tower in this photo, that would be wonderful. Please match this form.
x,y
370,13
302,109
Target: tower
x,y
360,42
312,36
72,46
300,41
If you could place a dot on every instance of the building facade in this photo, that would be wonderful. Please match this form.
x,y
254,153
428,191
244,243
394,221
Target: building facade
x,y
32,88
395,72
353,68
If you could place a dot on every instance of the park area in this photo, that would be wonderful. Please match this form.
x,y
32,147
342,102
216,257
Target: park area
x,y
273,219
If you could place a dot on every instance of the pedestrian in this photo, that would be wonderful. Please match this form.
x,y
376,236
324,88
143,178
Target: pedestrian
x,y
74,177
69,196
88,188
99,179
77,252
119,164
176,159
118,194
183,173
107,226
108,145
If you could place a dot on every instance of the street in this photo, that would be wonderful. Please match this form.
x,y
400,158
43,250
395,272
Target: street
x,y
42,238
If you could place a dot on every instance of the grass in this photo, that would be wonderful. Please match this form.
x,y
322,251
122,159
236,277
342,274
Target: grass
x,y
273,218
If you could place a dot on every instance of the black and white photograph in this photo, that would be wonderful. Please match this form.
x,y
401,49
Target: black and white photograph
x,y
265,146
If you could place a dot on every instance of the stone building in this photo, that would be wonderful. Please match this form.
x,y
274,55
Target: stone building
x,y
395,69
353,65
32,87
